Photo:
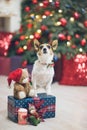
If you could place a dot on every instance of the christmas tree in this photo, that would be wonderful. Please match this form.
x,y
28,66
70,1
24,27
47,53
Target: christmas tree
x,y
45,20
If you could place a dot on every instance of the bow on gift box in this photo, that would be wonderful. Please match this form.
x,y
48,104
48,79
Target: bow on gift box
x,y
38,103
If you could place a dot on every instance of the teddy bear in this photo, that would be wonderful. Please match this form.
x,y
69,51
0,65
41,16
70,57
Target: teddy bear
x,y
22,86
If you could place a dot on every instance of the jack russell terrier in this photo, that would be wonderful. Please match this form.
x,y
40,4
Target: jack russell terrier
x,y
43,70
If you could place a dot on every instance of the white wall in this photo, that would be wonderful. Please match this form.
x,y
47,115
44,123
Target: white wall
x,y
11,8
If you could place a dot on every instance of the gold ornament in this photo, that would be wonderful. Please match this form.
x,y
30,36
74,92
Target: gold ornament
x,y
39,31
41,4
25,47
38,16
31,36
60,11
80,50
68,43
44,16
72,19
58,23
50,0
26,37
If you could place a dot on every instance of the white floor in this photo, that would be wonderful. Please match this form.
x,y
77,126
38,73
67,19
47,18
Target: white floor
x,y
71,109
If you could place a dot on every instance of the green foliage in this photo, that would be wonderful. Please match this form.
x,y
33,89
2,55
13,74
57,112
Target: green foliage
x,y
32,21
30,56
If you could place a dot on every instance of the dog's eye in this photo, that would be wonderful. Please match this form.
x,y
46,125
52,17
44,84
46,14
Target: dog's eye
x,y
41,47
48,46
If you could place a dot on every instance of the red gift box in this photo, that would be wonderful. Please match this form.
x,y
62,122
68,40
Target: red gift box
x,y
4,65
5,40
9,64
58,70
16,62
74,71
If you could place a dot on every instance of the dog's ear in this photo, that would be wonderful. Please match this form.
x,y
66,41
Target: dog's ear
x,y
54,44
36,44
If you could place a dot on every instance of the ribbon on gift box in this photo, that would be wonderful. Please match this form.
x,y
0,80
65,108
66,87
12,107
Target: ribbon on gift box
x,y
50,108
37,103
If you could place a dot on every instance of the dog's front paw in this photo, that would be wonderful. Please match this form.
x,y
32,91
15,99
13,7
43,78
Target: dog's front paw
x,y
36,93
48,92
32,93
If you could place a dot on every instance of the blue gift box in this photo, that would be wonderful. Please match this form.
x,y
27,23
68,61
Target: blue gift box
x,y
48,105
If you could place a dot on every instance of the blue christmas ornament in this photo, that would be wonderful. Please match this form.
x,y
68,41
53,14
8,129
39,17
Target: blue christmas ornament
x,y
55,58
46,32
32,17
52,3
83,10
68,6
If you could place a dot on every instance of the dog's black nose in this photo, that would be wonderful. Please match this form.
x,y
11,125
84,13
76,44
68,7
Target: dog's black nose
x,y
44,50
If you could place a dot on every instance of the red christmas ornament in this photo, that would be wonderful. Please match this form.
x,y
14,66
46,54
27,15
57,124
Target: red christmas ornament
x,y
73,46
27,9
85,23
34,1
20,50
83,42
44,27
24,63
29,46
63,21
21,29
45,3
69,37
62,37
77,36
50,35
47,12
37,35
22,37
16,43
57,4
29,25
76,15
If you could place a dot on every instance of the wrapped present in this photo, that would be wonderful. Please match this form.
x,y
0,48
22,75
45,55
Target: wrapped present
x,y
74,71
5,63
8,64
5,40
48,105
58,70
16,62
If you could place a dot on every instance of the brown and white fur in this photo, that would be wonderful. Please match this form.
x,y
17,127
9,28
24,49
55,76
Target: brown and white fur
x,y
43,71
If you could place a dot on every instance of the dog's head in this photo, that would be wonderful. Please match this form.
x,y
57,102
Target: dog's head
x,y
44,51
47,48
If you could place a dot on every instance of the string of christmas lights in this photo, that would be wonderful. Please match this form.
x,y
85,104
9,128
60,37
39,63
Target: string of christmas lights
x,y
52,19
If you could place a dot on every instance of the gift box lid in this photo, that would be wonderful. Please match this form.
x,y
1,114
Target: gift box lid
x,y
24,102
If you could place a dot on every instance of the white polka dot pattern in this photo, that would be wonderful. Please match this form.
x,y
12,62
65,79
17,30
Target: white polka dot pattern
x,y
48,104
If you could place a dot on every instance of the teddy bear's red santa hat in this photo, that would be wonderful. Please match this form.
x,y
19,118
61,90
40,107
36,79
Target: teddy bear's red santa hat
x,y
15,75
